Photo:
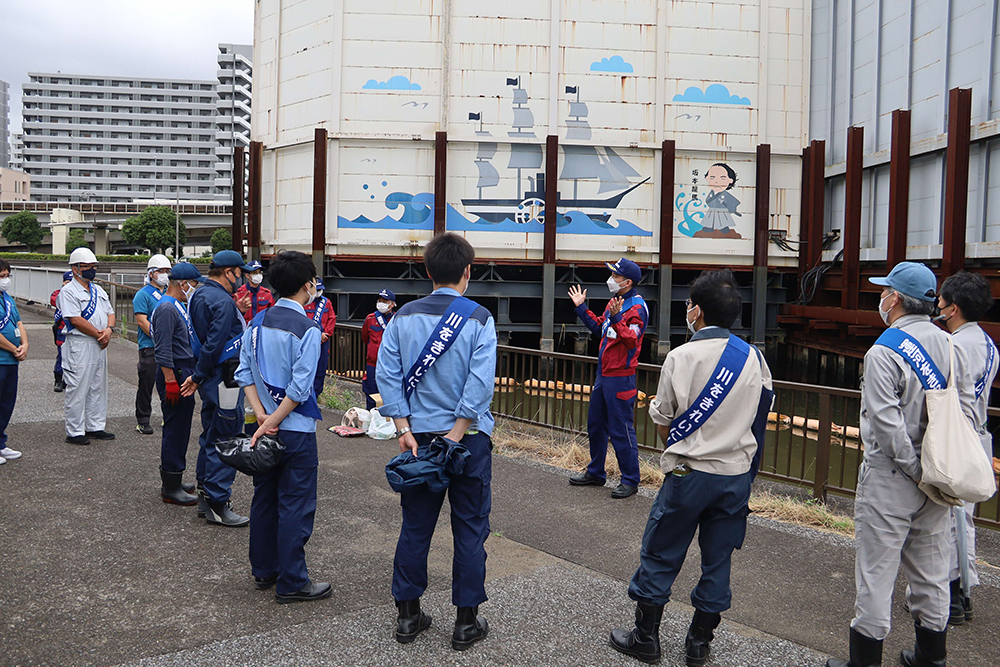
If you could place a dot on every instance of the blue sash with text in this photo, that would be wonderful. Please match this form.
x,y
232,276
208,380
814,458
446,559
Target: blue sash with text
x,y
445,333
629,303
320,307
88,310
308,408
7,311
914,354
179,307
991,351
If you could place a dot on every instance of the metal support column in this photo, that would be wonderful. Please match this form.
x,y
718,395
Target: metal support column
x,y
238,222
804,213
666,280
899,188
440,180
547,342
956,191
817,201
253,215
851,265
762,220
319,199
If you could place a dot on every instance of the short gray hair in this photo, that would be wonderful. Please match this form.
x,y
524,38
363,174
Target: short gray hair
x,y
912,306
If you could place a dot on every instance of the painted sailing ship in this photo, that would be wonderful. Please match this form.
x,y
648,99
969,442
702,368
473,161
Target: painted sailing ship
x,y
580,163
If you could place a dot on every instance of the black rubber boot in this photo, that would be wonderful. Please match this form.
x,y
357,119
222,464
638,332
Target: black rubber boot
x,y
697,644
865,652
410,621
188,488
59,385
222,514
930,650
202,502
643,641
171,491
469,628
956,611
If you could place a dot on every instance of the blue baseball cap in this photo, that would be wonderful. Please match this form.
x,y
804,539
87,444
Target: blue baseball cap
x,y
388,294
186,271
229,259
254,266
627,268
912,279
68,276
319,284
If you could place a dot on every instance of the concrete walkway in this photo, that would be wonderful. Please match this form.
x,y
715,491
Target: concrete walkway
x,y
97,571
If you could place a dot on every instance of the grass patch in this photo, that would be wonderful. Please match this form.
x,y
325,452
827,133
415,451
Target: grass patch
x,y
572,452
338,395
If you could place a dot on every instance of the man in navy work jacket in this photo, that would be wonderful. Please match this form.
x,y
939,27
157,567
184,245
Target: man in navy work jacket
x,y
612,399
173,349
436,371
219,327
279,386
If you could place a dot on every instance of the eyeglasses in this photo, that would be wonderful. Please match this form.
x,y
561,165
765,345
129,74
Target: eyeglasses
x,y
688,303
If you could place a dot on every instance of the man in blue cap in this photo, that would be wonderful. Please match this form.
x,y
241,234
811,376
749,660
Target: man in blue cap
x,y
320,311
251,297
371,338
612,398
895,520
218,326
174,345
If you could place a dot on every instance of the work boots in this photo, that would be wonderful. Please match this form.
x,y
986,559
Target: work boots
x,y
697,644
410,621
957,610
468,628
202,502
929,650
172,491
642,642
222,514
59,385
865,652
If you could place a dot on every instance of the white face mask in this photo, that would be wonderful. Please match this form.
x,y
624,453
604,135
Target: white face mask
x,y
689,322
256,279
4,284
383,307
311,290
884,314
162,279
187,290
613,285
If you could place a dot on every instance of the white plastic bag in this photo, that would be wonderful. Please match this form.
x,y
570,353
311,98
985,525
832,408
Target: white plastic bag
x,y
357,417
380,428
953,460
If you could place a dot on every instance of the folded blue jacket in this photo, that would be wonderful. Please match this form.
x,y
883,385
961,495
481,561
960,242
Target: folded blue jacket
x,y
429,469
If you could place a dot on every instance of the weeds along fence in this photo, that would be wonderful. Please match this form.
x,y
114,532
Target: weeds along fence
x,y
813,436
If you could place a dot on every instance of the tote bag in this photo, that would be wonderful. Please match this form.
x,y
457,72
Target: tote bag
x,y
953,460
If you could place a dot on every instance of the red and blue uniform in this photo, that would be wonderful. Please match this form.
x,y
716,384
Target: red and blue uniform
x,y
260,299
326,320
59,333
612,398
371,336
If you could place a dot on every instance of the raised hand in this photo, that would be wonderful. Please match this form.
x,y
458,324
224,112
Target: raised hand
x,y
615,305
578,295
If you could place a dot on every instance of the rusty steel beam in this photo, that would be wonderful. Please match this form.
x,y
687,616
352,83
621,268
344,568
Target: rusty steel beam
x,y
253,214
440,179
319,193
238,222
899,188
762,221
851,265
817,201
956,184
667,202
551,198
820,313
804,213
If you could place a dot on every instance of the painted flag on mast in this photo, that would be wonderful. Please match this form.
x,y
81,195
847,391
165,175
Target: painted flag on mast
x,y
475,116
571,89
514,82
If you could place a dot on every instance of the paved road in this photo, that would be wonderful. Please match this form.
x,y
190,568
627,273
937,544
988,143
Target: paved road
x,y
97,571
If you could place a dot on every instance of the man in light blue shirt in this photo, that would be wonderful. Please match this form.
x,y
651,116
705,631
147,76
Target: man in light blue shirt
x,y
436,371
279,387
143,304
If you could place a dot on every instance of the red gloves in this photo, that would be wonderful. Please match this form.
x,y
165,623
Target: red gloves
x,y
173,392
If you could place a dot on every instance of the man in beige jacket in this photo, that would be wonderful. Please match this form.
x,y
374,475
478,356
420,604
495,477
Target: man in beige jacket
x,y
710,463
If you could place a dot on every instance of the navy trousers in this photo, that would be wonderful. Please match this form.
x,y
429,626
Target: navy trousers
x,y
716,505
282,512
324,363
611,415
369,387
471,499
58,367
176,419
8,395
214,476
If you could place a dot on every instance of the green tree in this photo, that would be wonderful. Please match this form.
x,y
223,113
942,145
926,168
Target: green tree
x,y
76,240
153,229
222,239
23,228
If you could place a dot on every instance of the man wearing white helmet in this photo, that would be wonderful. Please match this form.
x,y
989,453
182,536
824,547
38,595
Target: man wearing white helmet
x,y
90,321
145,302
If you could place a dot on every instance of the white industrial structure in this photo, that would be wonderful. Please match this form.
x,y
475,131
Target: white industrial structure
x,y
233,111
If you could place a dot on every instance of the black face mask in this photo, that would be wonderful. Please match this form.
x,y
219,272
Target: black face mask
x,y
88,274
237,284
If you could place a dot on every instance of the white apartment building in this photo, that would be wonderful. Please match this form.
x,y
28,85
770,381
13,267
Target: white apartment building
x,y
233,111
114,139
16,150
4,124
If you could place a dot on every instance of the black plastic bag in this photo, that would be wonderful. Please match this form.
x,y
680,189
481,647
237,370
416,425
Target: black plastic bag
x,y
236,452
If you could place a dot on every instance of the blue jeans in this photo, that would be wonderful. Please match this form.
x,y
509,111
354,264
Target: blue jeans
x,y
715,505
611,415
8,395
215,477
471,498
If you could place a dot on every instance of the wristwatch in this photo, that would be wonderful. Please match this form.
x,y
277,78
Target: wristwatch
x,y
403,431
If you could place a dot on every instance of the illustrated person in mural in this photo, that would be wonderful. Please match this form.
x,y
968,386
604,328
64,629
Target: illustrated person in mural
x,y
718,221
612,399
710,460
965,299
436,369
371,337
896,523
